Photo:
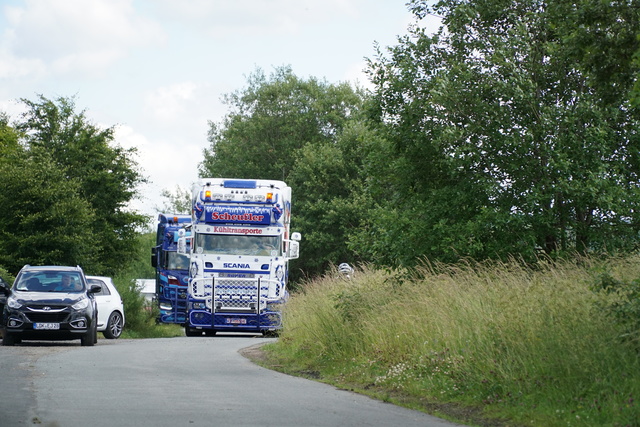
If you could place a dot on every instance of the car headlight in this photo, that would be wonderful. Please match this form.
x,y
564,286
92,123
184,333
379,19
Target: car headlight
x,y
81,305
13,303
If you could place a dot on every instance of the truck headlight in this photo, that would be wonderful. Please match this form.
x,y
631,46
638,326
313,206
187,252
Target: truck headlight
x,y
199,305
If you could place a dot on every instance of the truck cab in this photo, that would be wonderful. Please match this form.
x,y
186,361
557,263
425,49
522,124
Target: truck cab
x,y
240,248
171,268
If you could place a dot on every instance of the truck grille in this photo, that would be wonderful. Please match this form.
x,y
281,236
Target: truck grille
x,y
238,294
227,294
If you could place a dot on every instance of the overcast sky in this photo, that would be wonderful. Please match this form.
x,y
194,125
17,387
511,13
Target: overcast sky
x,y
156,69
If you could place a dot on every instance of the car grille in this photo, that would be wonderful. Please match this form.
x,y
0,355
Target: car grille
x,y
46,313
44,317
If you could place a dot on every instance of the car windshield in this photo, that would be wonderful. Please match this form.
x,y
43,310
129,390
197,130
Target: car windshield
x,y
50,281
237,245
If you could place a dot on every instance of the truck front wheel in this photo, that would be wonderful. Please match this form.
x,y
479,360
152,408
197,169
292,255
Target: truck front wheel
x,y
190,332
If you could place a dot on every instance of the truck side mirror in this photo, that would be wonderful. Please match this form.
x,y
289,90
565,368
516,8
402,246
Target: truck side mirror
x,y
294,250
182,246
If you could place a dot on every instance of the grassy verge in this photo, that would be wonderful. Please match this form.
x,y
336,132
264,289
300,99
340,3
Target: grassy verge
x,y
502,344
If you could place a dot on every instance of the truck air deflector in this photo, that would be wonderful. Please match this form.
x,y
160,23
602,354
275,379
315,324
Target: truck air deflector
x,y
232,183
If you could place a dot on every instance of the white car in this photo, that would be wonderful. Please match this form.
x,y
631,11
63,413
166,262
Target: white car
x,y
110,308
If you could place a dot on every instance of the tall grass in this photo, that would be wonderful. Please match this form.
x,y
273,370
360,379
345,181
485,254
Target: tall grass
x,y
532,344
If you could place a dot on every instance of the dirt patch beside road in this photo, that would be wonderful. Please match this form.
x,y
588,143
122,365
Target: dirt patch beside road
x,y
461,414
256,354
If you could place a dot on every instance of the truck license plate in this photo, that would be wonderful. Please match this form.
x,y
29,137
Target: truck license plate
x,y
236,321
43,326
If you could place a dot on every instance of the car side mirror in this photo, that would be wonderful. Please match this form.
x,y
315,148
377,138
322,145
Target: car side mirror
x,y
95,289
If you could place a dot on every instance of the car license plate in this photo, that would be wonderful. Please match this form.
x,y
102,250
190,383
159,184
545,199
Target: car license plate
x,y
237,321
47,326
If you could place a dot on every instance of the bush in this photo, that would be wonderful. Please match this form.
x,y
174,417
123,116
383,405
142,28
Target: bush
x,y
141,316
623,305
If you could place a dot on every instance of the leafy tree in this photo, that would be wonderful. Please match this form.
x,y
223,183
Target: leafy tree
x,y
270,120
140,265
286,128
635,93
329,201
103,178
177,201
508,133
48,222
8,138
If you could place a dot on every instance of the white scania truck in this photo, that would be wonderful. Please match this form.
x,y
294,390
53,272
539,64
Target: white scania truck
x,y
239,251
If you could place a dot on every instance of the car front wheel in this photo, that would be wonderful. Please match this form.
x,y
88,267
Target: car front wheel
x,y
8,339
114,326
89,339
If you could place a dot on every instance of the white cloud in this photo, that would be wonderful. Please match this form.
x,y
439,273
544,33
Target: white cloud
x,y
184,110
257,18
76,35
13,67
171,102
355,74
127,137
167,162
13,108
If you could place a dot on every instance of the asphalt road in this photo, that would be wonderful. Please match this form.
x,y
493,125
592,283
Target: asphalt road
x,y
189,381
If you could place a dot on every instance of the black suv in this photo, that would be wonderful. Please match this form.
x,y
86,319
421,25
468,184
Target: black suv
x,y
50,303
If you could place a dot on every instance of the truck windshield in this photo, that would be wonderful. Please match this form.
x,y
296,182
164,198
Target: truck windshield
x,y
238,245
176,261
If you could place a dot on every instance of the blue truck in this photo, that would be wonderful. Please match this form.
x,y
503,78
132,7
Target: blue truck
x,y
171,268
239,251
